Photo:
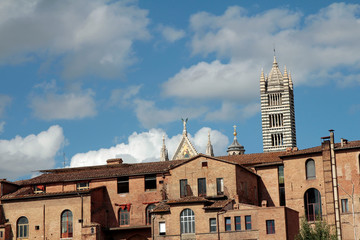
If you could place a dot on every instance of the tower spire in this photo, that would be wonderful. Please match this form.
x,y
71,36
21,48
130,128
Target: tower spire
x,y
209,147
235,148
164,156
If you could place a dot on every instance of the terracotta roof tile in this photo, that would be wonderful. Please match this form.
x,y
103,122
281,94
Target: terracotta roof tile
x,y
219,204
161,207
188,199
97,172
254,158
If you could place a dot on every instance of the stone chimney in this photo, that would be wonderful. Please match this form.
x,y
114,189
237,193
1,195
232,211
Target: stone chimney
x,y
114,161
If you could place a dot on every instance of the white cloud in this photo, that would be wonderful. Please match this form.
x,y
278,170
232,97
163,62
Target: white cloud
x,y
150,116
89,37
20,156
314,47
2,124
53,106
171,34
146,146
122,97
229,111
5,101
214,81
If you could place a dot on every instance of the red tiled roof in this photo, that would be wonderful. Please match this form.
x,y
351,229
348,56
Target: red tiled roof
x,y
188,199
27,192
254,158
97,172
219,204
161,207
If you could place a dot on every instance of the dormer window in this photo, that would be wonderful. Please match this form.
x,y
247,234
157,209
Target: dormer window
x,y
39,189
82,186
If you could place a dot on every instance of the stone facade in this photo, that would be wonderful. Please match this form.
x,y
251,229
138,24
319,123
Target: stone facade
x,y
277,110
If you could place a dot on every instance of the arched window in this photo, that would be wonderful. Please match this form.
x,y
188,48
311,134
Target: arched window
x,y
22,228
312,200
124,216
148,213
187,221
310,169
66,224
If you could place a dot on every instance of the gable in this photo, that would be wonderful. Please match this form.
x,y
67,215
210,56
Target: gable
x,y
185,149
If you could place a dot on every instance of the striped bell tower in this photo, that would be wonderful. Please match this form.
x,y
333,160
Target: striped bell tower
x,y
277,110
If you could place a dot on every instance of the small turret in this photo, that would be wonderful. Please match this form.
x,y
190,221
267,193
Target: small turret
x,y
235,148
209,147
164,156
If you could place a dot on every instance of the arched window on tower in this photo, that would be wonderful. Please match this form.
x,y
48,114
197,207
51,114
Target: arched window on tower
x,y
66,224
148,213
310,169
312,202
22,228
187,221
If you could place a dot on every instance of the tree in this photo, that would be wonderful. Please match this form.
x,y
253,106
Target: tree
x,y
320,231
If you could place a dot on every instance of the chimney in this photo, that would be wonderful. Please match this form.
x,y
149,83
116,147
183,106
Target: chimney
x,y
343,142
114,161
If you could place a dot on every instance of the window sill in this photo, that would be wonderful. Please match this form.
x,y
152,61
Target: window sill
x,y
150,190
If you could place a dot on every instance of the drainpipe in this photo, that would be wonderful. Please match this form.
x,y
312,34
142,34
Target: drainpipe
x,y
335,184
222,211
44,221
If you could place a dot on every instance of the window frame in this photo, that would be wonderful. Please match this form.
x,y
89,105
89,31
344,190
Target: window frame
x,y
123,183
39,189
67,226
183,190
187,221
150,182
212,225
22,229
202,187
220,186
162,233
310,173
248,222
237,223
344,205
124,216
227,221
270,226
85,187
312,209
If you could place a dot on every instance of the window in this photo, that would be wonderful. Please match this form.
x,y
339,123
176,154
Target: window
x,y
277,139
82,185
201,186
310,169
227,224
237,223
248,222
281,185
276,120
150,182
220,186
187,221
204,164
274,99
66,224
270,226
212,223
39,189
312,200
1,234
344,205
124,215
183,184
162,228
22,228
148,213
123,184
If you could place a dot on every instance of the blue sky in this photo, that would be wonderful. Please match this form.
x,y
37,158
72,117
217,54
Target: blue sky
x,y
86,81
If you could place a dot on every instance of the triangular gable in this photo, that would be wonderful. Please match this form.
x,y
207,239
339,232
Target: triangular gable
x,y
185,149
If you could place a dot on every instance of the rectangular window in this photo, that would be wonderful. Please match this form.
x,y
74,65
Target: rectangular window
x,y
212,223
1,234
227,224
248,222
162,228
123,185
183,184
270,226
204,164
39,189
281,185
344,205
150,182
237,223
220,186
202,187
82,185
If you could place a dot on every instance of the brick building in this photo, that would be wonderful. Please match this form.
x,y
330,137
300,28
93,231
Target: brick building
x,y
195,196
